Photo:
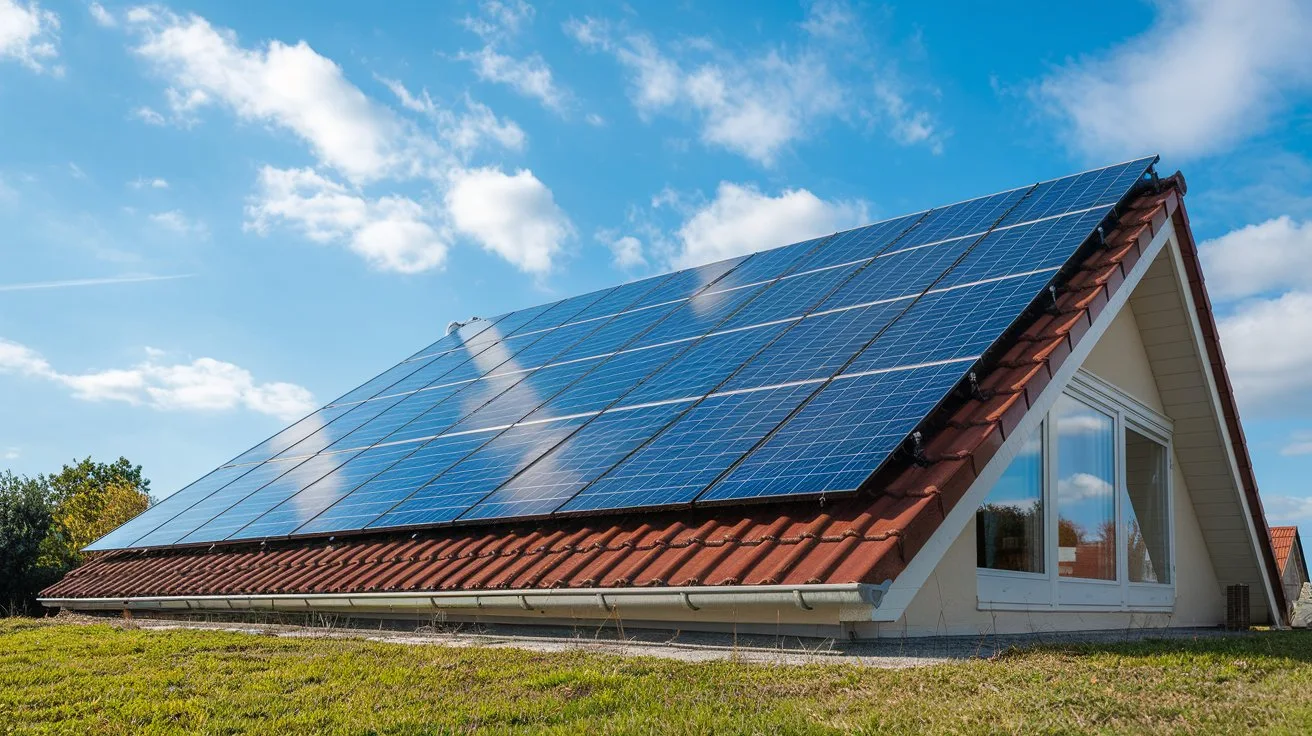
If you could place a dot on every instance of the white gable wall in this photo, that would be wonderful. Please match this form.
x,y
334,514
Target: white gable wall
x,y
947,604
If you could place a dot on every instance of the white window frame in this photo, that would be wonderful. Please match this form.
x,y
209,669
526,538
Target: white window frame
x,y
1011,590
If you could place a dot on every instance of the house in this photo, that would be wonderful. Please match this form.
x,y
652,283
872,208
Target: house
x,y
1009,414
1292,564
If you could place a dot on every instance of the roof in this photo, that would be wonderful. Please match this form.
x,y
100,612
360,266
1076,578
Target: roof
x,y
867,538
716,384
1283,541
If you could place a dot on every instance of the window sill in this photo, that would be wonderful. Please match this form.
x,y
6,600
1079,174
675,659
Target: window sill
x,y
1070,608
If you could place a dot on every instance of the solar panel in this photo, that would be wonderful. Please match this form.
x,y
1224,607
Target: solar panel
x,y
790,372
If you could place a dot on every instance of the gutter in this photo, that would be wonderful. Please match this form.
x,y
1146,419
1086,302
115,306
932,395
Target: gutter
x,y
851,602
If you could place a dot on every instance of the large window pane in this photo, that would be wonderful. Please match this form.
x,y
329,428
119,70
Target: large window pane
x,y
1086,499
1009,524
1146,511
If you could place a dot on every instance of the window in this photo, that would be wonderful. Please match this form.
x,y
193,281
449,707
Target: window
x,y
1086,491
1081,517
1146,537
1010,522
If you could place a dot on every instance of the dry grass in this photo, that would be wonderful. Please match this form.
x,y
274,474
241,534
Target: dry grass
x,y
69,678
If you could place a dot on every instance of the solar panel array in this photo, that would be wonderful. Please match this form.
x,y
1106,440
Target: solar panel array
x,y
792,371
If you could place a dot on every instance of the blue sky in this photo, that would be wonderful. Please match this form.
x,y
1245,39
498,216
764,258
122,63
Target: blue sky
x,y
219,215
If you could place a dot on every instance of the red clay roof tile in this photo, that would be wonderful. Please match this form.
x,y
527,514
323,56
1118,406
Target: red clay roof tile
x,y
1283,539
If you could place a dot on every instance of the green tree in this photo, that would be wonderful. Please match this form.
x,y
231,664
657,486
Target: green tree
x,y
89,500
25,520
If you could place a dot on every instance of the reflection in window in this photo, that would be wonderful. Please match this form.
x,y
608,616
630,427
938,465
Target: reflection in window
x,y
1009,525
1086,499
1145,514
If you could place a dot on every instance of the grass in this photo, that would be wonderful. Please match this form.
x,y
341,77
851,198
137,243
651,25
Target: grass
x,y
78,679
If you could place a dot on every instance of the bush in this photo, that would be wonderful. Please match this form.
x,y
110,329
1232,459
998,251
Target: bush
x,y
25,519
47,520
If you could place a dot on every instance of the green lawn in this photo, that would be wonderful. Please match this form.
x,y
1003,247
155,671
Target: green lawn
x,y
100,679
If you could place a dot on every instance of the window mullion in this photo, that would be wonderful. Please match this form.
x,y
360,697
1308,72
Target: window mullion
x,y
1122,496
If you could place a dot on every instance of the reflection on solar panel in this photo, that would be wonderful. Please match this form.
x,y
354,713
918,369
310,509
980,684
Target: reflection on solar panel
x,y
790,372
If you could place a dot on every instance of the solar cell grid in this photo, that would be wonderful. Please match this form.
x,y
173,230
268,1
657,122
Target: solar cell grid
x,y
245,480
560,472
705,365
396,416
860,243
169,507
1102,187
290,436
608,381
702,313
469,480
683,460
263,497
816,347
377,495
704,377
1042,245
840,437
286,510
507,322
955,323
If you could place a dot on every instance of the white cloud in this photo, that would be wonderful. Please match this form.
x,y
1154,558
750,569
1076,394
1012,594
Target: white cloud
x,y
291,87
498,22
1082,422
1288,509
464,132
500,18
76,171
153,183
529,76
390,233
831,20
1271,256
756,105
28,34
149,116
296,89
103,18
478,126
757,109
204,384
626,250
753,108
1300,443
741,219
178,222
1206,75
907,125
1268,348
420,103
1082,487
514,216
11,453
16,358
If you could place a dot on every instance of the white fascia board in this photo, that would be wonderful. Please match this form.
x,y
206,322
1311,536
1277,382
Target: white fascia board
x,y
903,589
1214,396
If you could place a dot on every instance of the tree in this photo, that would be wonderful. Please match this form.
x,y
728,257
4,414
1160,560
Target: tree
x,y
25,519
90,499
